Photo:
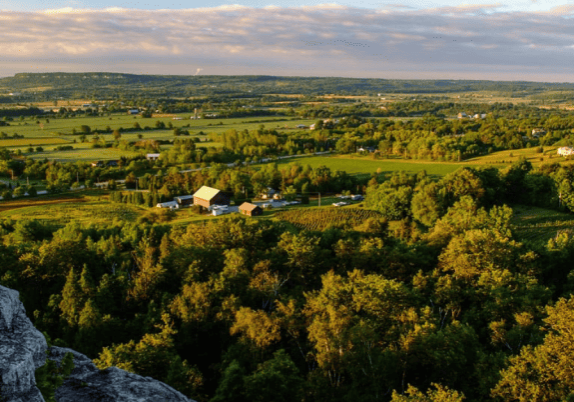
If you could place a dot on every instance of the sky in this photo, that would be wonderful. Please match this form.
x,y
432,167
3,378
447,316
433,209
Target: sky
x,y
530,40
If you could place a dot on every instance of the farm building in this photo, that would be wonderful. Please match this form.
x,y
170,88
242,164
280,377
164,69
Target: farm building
x,y
268,193
152,157
169,204
250,209
184,200
208,196
565,151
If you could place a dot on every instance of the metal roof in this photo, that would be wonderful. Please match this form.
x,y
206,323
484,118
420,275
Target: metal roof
x,y
206,193
246,206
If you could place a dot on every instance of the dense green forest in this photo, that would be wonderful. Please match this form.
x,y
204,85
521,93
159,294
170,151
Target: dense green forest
x,y
447,303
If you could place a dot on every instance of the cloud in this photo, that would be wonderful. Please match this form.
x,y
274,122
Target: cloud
x,y
474,41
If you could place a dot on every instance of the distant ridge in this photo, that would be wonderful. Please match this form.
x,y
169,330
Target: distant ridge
x,y
50,86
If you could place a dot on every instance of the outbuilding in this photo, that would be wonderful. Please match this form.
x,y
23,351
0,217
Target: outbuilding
x,y
250,209
169,204
208,196
184,200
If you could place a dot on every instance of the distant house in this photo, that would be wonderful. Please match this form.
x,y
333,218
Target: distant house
x,y
565,151
301,126
208,196
112,163
462,115
169,204
97,164
268,193
367,149
250,209
538,132
152,157
184,200
133,111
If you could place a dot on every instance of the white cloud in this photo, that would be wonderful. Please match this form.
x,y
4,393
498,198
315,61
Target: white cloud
x,y
328,39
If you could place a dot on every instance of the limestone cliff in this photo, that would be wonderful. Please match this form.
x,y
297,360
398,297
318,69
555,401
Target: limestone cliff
x,y
22,351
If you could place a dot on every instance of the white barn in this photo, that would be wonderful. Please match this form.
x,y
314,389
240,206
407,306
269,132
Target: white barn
x,y
565,151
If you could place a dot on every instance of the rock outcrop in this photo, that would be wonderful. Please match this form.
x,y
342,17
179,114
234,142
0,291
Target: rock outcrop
x,y
88,383
22,351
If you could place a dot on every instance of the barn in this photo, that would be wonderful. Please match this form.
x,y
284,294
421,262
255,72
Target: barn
x,y
208,196
250,209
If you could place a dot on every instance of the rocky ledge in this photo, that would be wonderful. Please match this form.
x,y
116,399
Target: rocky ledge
x,y
22,351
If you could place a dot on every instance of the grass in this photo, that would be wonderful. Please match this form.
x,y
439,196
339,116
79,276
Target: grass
x,y
363,166
82,152
539,224
25,142
505,158
60,131
87,207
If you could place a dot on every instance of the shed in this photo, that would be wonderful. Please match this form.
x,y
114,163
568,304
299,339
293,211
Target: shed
x,y
208,196
184,200
169,204
152,157
250,209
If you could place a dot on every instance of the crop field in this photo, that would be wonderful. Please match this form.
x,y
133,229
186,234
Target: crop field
x,y
82,152
38,202
322,218
539,224
361,166
25,142
46,131
504,158
61,211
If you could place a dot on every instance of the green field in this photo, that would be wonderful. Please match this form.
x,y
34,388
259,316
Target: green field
x,y
66,208
60,131
81,152
539,224
361,166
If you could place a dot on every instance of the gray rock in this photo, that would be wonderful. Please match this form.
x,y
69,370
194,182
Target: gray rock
x,y
88,383
22,350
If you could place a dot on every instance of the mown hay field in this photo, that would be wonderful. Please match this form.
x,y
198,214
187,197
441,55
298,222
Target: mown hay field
x,y
363,166
65,210
539,224
26,142
82,152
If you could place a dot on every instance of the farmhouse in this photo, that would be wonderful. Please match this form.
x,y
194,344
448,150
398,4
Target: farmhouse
x,y
565,151
184,200
208,196
250,209
268,193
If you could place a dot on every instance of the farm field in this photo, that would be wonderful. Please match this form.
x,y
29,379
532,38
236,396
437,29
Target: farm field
x,y
505,158
25,142
63,127
539,224
83,153
60,131
62,209
361,166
